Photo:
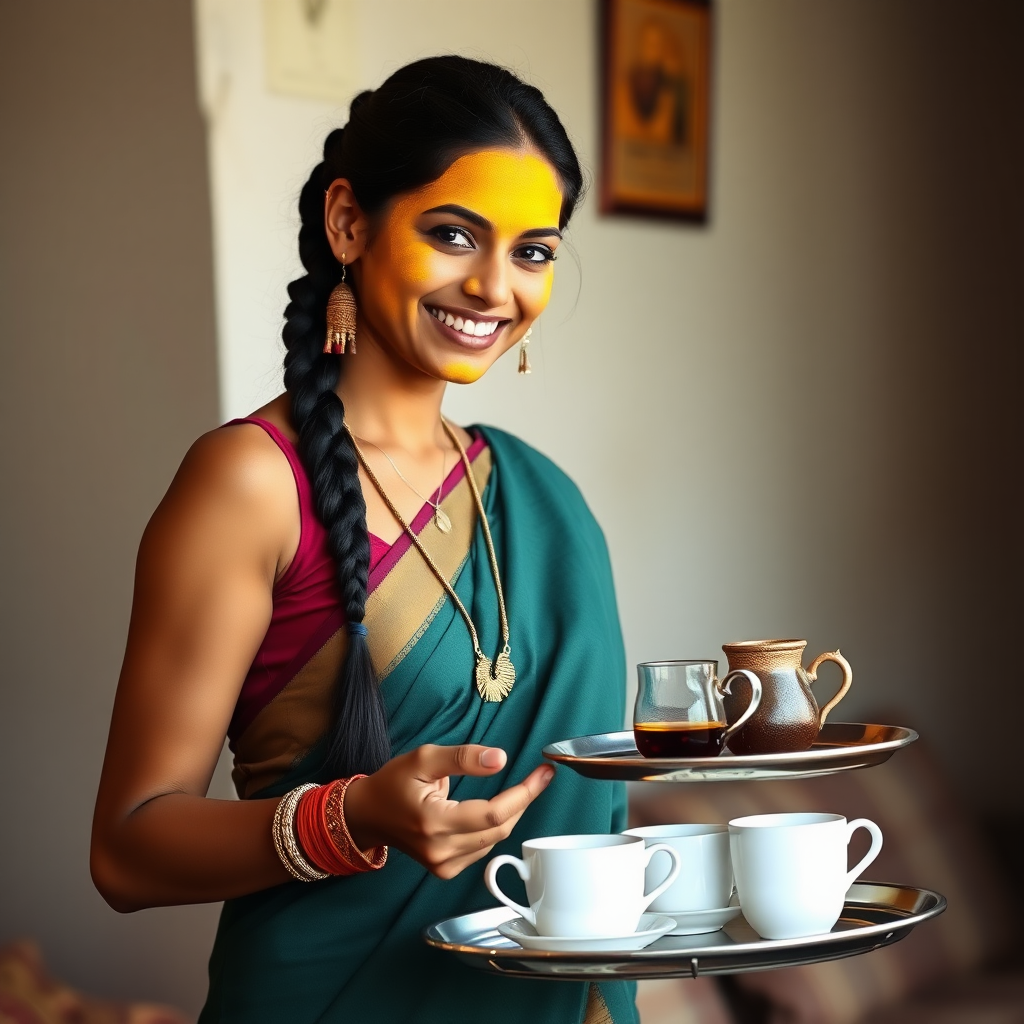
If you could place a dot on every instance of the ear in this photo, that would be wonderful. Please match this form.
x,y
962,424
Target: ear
x,y
346,225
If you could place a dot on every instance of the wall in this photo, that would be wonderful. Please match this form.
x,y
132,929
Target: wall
x,y
796,421
799,419
109,372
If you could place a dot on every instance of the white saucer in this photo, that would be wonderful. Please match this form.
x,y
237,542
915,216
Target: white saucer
x,y
651,927
699,922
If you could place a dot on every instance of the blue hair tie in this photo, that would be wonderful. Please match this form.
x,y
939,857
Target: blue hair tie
x,y
357,629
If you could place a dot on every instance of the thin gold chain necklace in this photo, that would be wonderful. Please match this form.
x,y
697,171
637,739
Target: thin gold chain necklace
x,y
440,518
494,681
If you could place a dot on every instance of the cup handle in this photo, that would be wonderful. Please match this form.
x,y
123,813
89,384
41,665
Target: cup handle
x,y
812,675
491,881
677,863
873,852
755,699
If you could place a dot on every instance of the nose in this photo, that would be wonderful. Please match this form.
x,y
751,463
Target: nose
x,y
490,282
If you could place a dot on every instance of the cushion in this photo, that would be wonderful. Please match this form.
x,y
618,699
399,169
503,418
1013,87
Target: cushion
x,y
929,841
28,995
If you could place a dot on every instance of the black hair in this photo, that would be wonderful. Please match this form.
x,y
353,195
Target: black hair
x,y
399,137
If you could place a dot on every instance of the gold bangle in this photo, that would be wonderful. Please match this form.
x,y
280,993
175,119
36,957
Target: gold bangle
x,y
334,814
285,842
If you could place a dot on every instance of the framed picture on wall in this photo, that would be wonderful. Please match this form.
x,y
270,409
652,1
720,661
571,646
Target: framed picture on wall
x,y
655,76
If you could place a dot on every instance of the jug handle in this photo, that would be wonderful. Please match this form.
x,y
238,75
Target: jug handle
x,y
812,675
755,698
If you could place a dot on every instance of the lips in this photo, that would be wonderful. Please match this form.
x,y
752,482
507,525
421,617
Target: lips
x,y
477,332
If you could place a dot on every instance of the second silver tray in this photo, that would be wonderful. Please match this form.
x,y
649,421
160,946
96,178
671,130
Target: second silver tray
x,y
875,915
840,746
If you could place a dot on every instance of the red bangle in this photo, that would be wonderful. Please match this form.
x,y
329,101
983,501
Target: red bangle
x,y
324,837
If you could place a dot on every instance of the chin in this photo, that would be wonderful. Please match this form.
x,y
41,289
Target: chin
x,y
463,373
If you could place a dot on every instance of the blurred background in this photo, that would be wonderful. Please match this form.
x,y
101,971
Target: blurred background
x,y
800,419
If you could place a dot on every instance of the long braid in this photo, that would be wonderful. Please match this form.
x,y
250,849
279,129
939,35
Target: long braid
x,y
358,739
398,138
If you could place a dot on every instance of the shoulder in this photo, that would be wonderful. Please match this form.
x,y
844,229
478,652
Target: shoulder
x,y
234,488
239,462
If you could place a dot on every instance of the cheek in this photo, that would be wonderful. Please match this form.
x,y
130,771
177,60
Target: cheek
x,y
535,297
406,264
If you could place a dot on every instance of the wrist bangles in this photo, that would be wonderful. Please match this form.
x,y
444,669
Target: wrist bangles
x,y
312,839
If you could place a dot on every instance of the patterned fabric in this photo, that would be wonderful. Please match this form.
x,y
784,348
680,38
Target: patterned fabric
x,y
929,841
597,1008
28,995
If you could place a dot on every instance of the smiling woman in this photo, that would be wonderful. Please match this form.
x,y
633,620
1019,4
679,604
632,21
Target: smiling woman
x,y
473,250
388,615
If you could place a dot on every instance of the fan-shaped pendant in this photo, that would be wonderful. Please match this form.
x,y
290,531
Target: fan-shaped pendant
x,y
494,682
441,520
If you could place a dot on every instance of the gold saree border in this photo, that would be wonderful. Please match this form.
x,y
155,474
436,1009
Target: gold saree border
x,y
403,605
399,611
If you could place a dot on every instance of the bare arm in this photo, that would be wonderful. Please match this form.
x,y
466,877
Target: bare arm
x,y
225,531
203,585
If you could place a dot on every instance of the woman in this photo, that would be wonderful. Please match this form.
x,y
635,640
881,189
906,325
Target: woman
x,y
308,588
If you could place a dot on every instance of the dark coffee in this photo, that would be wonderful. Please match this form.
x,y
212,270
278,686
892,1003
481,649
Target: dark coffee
x,y
679,739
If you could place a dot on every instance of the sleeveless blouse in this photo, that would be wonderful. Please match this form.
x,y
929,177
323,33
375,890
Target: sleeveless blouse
x,y
306,597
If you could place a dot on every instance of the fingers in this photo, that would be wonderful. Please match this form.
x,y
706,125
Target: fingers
x,y
451,834
472,816
452,867
437,762
466,849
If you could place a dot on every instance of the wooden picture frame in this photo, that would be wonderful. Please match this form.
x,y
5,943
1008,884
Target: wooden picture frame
x,y
655,107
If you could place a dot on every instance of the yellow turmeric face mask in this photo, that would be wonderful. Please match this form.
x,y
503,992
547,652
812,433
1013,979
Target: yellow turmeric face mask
x,y
459,269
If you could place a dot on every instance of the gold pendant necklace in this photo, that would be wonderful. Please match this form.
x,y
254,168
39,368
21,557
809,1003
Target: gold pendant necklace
x,y
494,680
440,518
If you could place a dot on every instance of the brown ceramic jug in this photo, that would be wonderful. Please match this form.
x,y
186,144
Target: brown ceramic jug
x,y
787,719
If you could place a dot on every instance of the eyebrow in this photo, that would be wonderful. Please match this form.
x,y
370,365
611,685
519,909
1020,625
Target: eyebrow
x,y
485,224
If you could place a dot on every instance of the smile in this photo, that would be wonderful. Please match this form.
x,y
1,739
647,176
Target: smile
x,y
481,327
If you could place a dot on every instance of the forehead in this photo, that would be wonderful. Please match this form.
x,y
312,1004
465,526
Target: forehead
x,y
514,190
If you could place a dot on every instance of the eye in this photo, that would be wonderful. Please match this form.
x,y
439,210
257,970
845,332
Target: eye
x,y
458,238
535,254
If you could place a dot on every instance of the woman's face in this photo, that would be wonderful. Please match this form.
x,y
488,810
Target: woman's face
x,y
456,271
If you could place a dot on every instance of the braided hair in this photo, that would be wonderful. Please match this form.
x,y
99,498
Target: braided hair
x,y
399,137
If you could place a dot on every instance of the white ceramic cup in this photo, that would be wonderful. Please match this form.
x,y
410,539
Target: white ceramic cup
x,y
583,886
791,872
704,881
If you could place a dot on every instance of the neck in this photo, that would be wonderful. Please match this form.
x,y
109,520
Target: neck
x,y
391,404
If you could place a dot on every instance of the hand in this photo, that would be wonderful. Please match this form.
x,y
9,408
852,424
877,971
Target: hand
x,y
405,804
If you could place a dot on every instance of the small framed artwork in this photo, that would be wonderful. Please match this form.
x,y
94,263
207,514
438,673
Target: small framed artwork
x,y
655,70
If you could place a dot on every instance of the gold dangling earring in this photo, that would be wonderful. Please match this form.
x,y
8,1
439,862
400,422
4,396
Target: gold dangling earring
x,y
524,359
341,318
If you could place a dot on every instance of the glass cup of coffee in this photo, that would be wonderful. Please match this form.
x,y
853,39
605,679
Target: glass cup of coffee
x,y
679,710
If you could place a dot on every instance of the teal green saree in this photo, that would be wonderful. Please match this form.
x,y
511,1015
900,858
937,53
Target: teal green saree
x,y
350,949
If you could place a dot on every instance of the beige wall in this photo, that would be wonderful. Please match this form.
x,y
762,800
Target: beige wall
x,y
800,419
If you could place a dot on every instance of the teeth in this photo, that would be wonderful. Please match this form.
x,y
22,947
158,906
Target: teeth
x,y
475,329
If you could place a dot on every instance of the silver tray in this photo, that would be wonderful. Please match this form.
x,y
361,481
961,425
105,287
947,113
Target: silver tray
x,y
875,915
839,747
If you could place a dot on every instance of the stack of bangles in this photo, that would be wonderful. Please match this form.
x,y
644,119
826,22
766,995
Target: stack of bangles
x,y
312,839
